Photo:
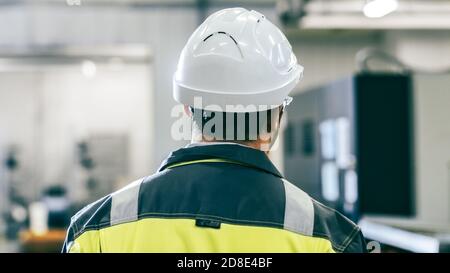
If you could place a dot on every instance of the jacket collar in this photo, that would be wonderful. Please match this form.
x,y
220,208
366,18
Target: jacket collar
x,y
228,151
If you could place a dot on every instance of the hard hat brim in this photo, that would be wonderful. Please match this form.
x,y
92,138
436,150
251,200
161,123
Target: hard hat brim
x,y
240,102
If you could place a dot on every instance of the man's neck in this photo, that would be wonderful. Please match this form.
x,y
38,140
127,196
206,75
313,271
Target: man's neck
x,y
255,144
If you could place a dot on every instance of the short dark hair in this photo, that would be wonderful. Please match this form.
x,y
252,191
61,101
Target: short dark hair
x,y
245,126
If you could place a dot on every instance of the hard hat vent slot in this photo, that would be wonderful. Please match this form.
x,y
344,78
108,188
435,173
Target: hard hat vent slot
x,y
229,36
207,37
220,32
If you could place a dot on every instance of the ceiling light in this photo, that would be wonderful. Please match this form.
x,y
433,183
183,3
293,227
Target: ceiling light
x,y
379,8
88,68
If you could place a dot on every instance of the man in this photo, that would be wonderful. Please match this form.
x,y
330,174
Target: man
x,y
221,193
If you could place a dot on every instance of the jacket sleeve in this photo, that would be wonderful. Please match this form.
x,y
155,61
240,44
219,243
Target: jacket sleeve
x,y
357,244
83,234
86,242
68,241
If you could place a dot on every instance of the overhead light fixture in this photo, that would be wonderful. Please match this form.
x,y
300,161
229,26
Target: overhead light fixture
x,y
379,8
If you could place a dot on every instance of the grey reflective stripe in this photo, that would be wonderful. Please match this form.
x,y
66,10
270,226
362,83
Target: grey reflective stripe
x,y
299,210
124,203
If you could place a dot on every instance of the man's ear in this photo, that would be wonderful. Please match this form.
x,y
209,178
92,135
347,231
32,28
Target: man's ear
x,y
187,111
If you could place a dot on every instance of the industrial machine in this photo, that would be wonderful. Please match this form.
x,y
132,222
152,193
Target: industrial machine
x,y
349,144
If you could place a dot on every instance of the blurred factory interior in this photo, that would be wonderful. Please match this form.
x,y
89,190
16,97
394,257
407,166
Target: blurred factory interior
x,y
86,107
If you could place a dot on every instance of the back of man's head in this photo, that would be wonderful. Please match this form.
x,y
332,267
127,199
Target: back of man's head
x,y
242,68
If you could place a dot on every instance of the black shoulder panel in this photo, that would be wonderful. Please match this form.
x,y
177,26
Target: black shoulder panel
x,y
93,216
343,234
225,192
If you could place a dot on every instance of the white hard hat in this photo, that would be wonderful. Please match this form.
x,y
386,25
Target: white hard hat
x,y
236,57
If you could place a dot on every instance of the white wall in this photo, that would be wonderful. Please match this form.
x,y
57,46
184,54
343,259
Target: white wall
x,y
425,50
328,56
47,112
17,101
164,30
432,104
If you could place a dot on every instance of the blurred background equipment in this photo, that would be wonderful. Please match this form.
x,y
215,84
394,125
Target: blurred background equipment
x,y
58,207
376,137
49,219
349,144
86,107
80,117
104,160
14,210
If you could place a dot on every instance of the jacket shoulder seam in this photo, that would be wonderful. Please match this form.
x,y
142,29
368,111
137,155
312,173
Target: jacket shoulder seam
x,y
348,238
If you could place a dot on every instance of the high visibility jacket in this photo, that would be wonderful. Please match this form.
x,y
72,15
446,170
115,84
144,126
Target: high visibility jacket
x,y
212,198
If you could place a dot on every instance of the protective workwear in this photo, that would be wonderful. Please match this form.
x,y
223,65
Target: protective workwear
x,y
212,198
236,57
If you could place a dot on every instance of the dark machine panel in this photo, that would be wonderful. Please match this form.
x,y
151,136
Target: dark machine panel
x,y
349,144
384,144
